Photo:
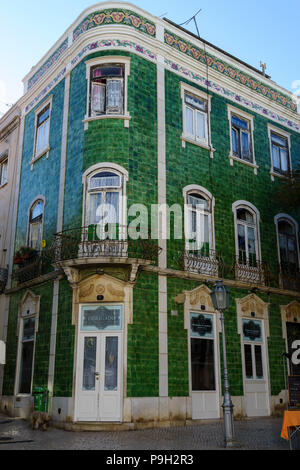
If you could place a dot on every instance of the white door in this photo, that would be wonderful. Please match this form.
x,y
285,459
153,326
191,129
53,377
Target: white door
x,y
204,366
256,388
99,364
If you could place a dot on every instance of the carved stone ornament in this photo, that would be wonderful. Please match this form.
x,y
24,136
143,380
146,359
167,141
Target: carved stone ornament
x,y
110,288
292,311
253,304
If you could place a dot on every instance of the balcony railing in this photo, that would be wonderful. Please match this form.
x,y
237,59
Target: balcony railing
x,y
204,261
249,269
90,242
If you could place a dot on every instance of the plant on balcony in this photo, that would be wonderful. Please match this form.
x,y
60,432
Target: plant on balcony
x,y
25,255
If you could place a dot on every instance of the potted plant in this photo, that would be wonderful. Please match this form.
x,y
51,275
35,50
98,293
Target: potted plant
x,y
24,255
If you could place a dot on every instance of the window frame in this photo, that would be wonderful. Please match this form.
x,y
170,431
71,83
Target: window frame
x,y
45,151
186,89
285,135
34,202
118,171
232,111
287,218
3,161
256,215
205,194
113,61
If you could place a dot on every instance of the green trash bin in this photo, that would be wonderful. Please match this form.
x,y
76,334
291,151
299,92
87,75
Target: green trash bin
x,y
40,398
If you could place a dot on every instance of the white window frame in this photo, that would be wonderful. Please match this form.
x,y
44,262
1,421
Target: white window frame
x,y
186,137
119,171
38,198
231,110
45,151
29,307
286,136
290,220
108,60
256,215
3,162
204,193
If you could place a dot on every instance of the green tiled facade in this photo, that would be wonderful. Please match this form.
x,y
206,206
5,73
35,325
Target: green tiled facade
x,y
135,147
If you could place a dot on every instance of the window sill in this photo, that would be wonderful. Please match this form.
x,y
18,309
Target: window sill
x,y
233,158
203,145
39,155
3,184
279,175
125,117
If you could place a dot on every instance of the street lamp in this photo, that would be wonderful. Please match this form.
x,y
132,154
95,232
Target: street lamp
x,y
220,299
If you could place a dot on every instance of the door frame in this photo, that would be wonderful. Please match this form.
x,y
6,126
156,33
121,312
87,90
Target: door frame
x,y
80,334
217,371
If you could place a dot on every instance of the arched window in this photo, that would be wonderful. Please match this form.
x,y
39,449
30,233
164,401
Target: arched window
x,y
246,233
287,244
104,200
35,229
199,220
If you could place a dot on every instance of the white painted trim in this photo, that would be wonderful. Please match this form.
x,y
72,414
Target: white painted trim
x,y
125,61
249,117
247,205
37,111
292,221
287,135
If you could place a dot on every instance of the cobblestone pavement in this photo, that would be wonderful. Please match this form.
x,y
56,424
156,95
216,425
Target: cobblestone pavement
x,y
254,434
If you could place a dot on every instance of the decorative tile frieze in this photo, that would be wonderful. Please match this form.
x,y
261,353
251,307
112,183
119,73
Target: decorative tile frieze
x,y
45,90
232,95
115,16
47,65
228,70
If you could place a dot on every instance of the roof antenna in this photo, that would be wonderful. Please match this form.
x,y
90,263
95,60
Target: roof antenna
x,y
263,67
193,18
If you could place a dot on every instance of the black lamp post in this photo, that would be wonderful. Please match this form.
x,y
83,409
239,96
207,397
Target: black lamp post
x,y
220,299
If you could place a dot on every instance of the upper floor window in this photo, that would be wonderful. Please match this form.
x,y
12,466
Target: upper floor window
x,y
199,224
35,229
287,244
42,130
246,233
280,153
107,89
241,138
3,171
104,201
195,109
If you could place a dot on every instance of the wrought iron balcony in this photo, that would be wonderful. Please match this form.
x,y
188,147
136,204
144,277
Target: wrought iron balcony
x,y
203,261
28,270
249,269
89,242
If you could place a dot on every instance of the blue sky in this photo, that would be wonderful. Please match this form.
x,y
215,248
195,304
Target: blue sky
x,y
260,30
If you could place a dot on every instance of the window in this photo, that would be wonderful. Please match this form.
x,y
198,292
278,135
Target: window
x,y
27,349
107,89
287,244
280,153
202,352
105,210
241,138
35,230
42,130
3,171
199,222
248,266
195,110
247,236
252,339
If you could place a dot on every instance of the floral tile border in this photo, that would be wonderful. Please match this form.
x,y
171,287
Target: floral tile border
x,y
47,65
222,67
115,16
220,90
45,90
